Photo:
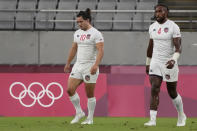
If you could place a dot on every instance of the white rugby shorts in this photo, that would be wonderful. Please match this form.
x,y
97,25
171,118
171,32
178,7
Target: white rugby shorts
x,y
159,69
82,71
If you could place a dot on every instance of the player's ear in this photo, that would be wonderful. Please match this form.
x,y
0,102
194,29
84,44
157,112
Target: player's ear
x,y
166,13
88,20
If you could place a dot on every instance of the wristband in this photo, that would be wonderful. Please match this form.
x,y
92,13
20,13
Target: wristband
x,y
148,60
175,56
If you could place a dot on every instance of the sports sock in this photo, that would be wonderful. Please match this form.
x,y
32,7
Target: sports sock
x,y
177,102
76,102
153,115
91,107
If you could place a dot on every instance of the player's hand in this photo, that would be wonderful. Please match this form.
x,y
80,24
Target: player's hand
x,y
147,69
170,64
93,69
67,68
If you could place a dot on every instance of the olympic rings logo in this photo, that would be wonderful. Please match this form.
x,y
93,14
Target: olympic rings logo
x,y
32,95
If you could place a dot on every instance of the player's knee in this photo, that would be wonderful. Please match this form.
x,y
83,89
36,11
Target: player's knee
x,y
70,91
90,95
155,85
155,90
172,95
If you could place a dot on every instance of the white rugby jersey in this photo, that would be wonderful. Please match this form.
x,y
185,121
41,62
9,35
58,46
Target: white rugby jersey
x,y
162,34
86,41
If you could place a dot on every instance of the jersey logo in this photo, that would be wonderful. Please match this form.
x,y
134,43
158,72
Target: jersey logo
x,y
159,31
167,76
166,30
83,37
87,77
88,36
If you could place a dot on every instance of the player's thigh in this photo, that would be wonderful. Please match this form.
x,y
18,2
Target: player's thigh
x,y
171,87
75,78
73,83
155,81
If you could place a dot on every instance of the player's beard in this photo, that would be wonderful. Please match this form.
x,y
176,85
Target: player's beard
x,y
160,19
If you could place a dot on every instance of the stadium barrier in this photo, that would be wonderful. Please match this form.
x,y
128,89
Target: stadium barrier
x,y
123,91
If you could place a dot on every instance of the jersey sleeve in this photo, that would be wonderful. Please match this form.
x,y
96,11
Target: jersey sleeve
x,y
74,38
176,31
99,37
150,31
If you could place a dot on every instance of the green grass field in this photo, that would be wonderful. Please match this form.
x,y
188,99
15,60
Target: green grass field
x,y
100,124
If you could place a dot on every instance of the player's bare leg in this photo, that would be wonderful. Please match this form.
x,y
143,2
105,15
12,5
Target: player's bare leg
x,y
154,101
74,98
89,87
177,101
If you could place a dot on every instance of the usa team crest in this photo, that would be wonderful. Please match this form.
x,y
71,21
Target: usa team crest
x,y
87,77
167,76
88,36
166,30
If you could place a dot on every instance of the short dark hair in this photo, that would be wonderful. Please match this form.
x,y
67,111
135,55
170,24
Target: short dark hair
x,y
85,14
163,5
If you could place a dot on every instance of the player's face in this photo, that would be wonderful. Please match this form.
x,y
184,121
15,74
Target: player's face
x,y
83,24
160,14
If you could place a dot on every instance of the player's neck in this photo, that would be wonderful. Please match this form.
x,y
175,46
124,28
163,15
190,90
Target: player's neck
x,y
89,26
163,21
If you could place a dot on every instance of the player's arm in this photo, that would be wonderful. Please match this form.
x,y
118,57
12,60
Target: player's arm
x,y
100,53
149,55
177,43
176,39
71,55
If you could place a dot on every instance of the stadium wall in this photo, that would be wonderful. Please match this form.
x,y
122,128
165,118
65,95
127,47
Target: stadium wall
x,y
123,91
121,48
